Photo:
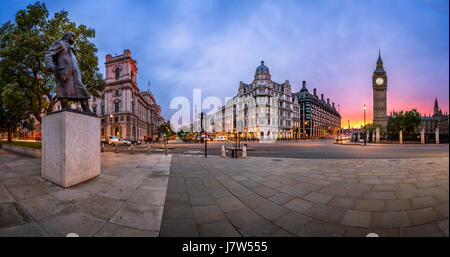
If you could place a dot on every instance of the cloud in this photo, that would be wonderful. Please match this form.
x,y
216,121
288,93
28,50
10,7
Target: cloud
x,y
333,45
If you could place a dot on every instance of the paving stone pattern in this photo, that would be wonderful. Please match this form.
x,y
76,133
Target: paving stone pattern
x,y
126,200
306,197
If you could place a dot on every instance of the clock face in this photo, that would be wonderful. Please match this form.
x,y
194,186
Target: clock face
x,y
379,81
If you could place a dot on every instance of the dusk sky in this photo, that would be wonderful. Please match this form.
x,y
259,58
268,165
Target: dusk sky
x,y
333,45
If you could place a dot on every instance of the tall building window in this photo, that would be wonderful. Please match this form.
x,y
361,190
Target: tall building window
x,y
117,92
103,110
117,73
116,107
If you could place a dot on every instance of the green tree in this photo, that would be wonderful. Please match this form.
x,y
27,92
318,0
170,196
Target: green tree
x,y
23,44
373,127
15,109
407,121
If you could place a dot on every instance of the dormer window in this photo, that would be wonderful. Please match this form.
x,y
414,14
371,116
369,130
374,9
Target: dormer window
x,y
117,73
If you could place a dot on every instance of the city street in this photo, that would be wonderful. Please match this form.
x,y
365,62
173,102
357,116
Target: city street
x,y
319,149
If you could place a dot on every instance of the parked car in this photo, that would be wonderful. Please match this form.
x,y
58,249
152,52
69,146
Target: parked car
x,y
133,141
118,141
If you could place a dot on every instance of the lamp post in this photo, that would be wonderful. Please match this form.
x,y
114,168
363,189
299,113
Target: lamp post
x,y
364,124
205,138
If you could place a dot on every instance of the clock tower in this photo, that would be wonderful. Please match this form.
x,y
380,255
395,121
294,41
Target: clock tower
x,y
379,86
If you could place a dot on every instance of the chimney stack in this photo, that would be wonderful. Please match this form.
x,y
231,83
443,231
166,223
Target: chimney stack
x,y
304,83
328,101
321,96
333,104
315,92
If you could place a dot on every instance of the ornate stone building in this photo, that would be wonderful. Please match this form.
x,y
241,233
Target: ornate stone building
x,y
379,86
263,110
126,111
437,120
318,118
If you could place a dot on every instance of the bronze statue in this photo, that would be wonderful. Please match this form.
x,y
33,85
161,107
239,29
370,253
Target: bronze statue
x,y
60,59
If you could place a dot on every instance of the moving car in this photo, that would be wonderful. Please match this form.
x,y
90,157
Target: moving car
x,y
221,138
343,137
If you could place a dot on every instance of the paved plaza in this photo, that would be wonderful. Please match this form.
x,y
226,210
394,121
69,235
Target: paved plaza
x,y
126,200
189,195
306,197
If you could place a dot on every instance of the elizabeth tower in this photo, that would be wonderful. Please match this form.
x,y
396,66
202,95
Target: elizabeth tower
x,y
379,86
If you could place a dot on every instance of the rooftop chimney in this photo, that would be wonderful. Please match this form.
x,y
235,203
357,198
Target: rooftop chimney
x,y
321,96
328,101
304,83
333,104
108,57
315,92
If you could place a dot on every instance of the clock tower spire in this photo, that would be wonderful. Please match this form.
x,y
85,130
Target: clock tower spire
x,y
379,87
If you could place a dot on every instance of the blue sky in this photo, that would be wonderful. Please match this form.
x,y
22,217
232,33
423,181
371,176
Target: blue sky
x,y
333,45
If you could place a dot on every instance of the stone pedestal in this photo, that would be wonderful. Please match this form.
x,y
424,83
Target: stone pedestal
x,y
400,136
422,136
436,133
70,147
378,135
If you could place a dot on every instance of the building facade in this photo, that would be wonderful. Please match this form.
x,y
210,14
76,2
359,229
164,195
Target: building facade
x,y
126,111
379,87
264,110
438,120
318,118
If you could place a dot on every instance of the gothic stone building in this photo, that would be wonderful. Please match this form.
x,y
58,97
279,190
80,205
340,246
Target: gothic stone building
x,y
318,118
379,87
438,120
126,111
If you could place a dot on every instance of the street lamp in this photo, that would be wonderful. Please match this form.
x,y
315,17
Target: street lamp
x,y
364,124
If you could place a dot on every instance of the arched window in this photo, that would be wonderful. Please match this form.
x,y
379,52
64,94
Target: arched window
x,y
116,132
117,73
116,107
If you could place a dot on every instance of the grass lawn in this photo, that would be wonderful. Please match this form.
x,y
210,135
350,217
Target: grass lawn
x,y
36,145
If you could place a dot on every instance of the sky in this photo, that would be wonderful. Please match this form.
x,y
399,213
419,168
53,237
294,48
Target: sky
x,y
333,45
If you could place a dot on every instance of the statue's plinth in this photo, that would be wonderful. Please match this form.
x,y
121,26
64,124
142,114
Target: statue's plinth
x,y
70,147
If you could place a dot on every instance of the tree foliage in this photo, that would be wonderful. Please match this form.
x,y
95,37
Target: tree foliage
x,y
23,44
15,109
373,127
407,121
166,128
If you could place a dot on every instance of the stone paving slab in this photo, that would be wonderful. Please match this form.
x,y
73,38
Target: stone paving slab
x,y
126,200
196,196
303,197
